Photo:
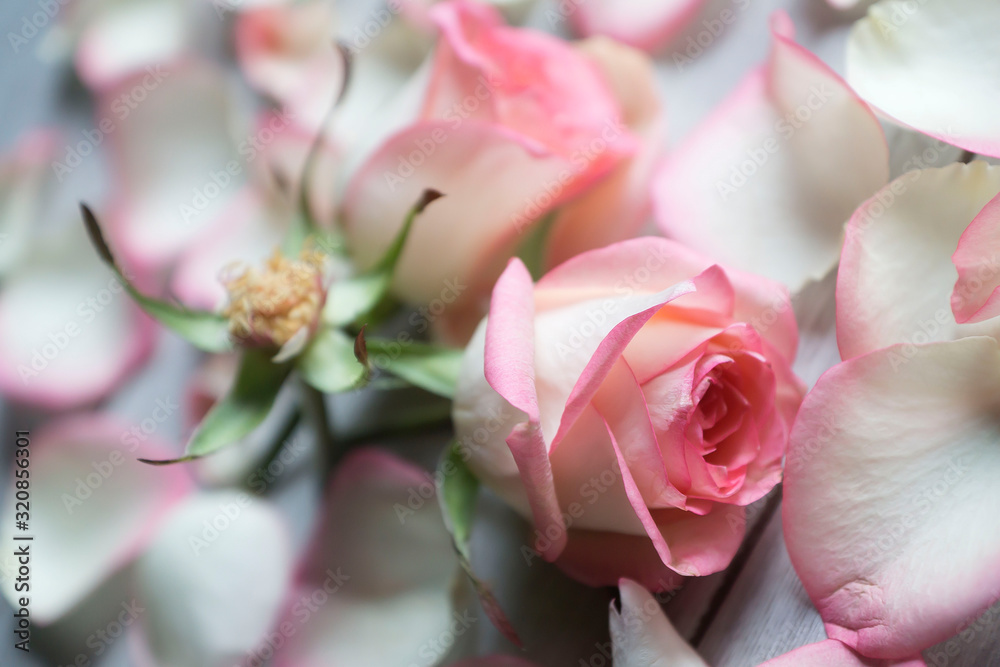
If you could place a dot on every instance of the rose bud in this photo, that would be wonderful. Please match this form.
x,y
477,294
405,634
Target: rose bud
x,y
631,404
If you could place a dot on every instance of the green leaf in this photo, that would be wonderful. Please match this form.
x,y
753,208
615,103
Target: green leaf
x,y
349,301
458,490
242,410
426,366
329,362
206,331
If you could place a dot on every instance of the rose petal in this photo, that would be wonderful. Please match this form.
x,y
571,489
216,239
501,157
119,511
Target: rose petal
x,y
215,576
23,178
121,38
890,494
644,24
896,273
642,635
88,490
976,296
166,197
616,208
900,51
763,186
71,333
379,560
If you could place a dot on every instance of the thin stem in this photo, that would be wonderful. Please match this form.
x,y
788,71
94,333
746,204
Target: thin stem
x,y
292,422
314,402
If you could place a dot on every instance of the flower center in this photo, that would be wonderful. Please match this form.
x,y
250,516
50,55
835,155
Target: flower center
x,y
267,307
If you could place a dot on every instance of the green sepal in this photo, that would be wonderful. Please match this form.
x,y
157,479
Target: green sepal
x,y
205,330
237,414
330,363
429,367
458,490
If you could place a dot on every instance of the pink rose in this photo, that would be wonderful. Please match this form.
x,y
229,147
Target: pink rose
x,y
631,403
511,124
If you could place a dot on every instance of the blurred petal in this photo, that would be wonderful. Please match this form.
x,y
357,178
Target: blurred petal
x,y
768,181
977,293
902,50
120,38
175,162
896,273
615,208
93,503
644,24
213,580
445,247
642,635
832,653
71,334
289,53
23,178
381,561
890,494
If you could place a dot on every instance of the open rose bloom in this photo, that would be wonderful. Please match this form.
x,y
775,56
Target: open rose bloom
x,y
632,403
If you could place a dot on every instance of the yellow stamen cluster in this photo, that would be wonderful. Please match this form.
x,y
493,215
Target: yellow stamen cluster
x,y
267,307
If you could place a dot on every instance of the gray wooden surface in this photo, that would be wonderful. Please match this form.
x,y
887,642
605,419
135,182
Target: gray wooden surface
x,y
755,610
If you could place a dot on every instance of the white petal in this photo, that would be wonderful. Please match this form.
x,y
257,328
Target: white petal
x,y
213,580
896,273
767,182
890,494
93,507
903,50
642,635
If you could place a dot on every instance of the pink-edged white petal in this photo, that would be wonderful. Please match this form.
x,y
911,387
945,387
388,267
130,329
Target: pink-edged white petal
x,y
768,181
901,50
213,580
89,491
119,38
379,560
176,163
976,296
644,24
510,364
617,207
896,273
23,179
71,334
288,52
833,653
641,634
890,494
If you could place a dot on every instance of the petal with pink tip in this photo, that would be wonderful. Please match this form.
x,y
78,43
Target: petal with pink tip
x,y
901,50
89,491
510,370
166,197
123,38
976,296
378,560
761,186
212,581
644,24
832,653
896,273
23,179
890,494
469,234
71,333
641,634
